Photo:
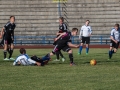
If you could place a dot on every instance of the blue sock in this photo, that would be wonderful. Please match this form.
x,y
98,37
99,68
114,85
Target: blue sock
x,y
110,54
80,49
45,58
87,50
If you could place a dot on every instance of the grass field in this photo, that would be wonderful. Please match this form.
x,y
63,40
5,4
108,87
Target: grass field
x,y
61,76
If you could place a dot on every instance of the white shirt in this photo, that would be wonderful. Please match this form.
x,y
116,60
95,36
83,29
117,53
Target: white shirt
x,y
24,60
85,31
115,34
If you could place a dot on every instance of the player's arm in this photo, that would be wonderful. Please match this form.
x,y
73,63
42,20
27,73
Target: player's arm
x,y
2,31
80,35
34,62
60,35
16,62
12,35
111,37
60,32
73,45
90,31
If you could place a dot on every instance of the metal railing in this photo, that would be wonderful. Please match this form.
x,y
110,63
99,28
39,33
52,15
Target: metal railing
x,y
27,40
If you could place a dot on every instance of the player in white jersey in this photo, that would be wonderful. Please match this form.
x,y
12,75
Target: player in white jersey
x,y
25,60
85,34
115,40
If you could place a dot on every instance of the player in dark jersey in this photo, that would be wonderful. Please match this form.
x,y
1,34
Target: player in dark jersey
x,y
64,43
8,36
62,29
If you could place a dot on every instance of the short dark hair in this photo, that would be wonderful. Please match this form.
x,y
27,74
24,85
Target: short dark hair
x,y
22,51
12,16
61,18
74,29
88,20
117,25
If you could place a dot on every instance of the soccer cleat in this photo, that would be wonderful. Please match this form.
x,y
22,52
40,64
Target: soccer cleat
x,y
72,64
56,60
86,53
63,59
6,59
79,53
109,58
12,59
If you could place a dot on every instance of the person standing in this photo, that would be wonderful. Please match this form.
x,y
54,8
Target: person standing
x,y
8,36
85,34
62,29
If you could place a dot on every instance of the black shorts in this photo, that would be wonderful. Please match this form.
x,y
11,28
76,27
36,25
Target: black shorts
x,y
113,44
65,48
8,41
86,39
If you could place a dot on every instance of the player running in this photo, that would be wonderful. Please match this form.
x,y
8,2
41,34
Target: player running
x,y
8,37
62,29
25,60
85,34
115,40
64,43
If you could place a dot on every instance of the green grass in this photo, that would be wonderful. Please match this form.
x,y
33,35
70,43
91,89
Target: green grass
x,y
61,76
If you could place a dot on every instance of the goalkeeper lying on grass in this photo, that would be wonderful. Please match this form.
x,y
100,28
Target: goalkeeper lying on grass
x,y
24,59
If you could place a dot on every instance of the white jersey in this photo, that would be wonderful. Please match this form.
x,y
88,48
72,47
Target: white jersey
x,y
24,60
116,34
85,31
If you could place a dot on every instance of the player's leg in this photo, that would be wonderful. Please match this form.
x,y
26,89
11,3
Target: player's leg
x,y
5,49
8,49
68,49
11,51
60,53
115,48
2,43
87,49
87,44
110,52
57,55
81,46
56,49
112,44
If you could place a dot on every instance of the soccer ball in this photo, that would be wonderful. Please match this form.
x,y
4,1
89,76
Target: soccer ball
x,y
93,62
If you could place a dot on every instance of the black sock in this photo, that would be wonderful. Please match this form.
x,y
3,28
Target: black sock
x,y
110,54
5,53
11,52
61,54
71,57
8,50
57,55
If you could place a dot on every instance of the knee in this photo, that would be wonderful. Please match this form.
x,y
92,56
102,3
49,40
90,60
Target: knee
x,y
70,51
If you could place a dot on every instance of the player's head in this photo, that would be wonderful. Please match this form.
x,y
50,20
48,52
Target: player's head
x,y
61,20
22,51
87,22
74,31
12,19
116,26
